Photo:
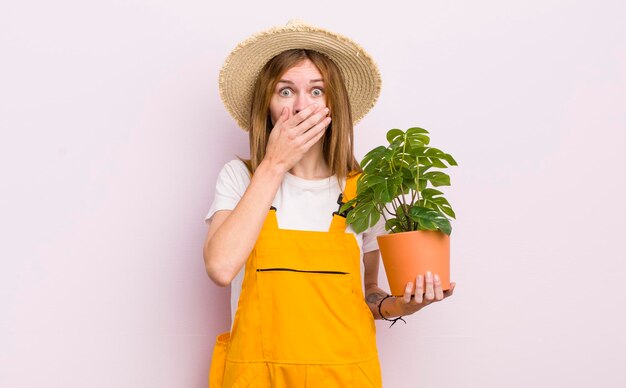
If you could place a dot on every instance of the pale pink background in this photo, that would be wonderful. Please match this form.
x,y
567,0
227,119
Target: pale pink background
x,y
113,133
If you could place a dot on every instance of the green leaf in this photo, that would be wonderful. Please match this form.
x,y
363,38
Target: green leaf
x,y
437,163
374,217
408,178
443,224
430,193
360,225
435,156
429,219
437,178
373,156
421,184
393,225
427,224
416,131
449,159
432,151
372,181
447,210
360,216
392,134
424,162
381,194
417,136
347,205
432,200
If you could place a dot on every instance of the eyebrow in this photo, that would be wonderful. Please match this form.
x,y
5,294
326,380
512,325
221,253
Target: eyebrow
x,y
286,81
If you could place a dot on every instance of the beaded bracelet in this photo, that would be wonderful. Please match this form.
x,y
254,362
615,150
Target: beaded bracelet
x,y
393,321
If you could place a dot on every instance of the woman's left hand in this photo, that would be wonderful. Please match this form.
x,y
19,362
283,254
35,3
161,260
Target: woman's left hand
x,y
426,291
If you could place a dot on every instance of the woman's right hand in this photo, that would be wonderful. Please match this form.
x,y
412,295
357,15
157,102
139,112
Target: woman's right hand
x,y
292,136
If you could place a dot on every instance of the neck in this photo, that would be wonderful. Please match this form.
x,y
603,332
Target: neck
x,y
312,165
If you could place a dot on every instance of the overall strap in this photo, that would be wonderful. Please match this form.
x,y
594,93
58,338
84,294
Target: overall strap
x,y
271,222
349,191
338,223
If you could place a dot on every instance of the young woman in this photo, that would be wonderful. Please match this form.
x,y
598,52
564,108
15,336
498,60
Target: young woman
x,y
296,271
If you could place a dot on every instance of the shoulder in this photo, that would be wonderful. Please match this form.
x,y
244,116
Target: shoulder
x,y
235,170
235,175
236,167
232,181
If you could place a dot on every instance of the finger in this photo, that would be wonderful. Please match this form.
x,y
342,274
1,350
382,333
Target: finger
x,y
284,115
301,116
408,290
311,121
438,288
429,295
419,289
315,133
450,291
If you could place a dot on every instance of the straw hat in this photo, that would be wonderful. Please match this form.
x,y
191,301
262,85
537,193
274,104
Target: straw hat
x,y
243,65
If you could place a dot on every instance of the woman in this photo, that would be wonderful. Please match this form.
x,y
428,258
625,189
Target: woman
x,y
275,234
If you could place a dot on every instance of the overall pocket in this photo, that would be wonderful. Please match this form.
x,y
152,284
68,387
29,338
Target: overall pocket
x,y
307,315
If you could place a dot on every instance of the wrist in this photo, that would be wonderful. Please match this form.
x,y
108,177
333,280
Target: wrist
x,y
393,308
389,315
271,169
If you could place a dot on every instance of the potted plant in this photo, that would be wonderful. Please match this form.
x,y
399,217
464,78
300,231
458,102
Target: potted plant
x,y
398,184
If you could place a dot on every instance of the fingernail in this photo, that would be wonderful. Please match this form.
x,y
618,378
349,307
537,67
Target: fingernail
x,y
437,278
409,286
428,274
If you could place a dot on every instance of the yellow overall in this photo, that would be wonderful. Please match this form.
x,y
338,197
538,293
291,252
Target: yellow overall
x,y
302,320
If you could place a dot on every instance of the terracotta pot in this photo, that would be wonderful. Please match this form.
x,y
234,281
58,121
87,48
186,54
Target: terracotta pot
x,y
408,254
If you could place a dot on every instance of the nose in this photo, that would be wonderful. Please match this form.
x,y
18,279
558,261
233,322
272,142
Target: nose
x,y
301,101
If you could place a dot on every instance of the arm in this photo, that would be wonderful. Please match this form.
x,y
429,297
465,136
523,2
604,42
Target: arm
x,y
233,233
426,291
373,294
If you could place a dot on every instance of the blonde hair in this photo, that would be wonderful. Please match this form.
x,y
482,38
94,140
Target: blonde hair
x,y
338,140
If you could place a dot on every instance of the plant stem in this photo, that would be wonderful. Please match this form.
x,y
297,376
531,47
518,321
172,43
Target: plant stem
x,y
405,210
382,212
413,223
395,208
417,186
390,212
403,149
417,177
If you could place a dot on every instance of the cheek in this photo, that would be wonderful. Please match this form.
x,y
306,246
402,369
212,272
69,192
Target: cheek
x,y
275,109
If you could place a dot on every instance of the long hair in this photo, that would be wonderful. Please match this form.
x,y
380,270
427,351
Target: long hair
x,y
338,140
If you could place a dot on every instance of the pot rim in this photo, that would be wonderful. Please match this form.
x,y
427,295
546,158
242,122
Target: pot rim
x,y
409,232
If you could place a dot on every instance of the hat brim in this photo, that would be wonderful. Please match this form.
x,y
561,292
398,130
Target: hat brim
x,y
242,67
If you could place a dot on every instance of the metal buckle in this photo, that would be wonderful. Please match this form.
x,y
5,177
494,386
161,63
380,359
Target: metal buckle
x,y
341,203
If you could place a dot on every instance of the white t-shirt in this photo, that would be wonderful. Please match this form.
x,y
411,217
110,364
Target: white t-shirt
x,y
301,204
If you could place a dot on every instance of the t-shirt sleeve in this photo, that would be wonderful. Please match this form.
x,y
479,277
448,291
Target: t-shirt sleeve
x,y
369,236
232,182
